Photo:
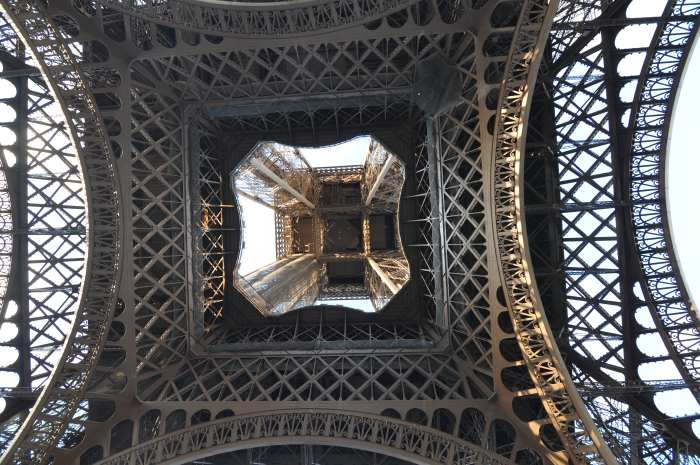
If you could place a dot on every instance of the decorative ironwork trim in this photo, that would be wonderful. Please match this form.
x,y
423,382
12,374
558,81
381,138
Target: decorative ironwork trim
x,y
63,391
375,433
562,402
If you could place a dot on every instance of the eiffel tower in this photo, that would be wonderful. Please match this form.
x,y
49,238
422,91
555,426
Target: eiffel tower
x,y
516,170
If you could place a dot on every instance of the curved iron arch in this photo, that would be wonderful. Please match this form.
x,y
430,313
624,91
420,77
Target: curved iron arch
x,y
374,433
257,19
663,287
8,263
62,393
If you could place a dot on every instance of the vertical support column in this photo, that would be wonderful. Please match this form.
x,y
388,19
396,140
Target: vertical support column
x,y
19,292
437,224
193,205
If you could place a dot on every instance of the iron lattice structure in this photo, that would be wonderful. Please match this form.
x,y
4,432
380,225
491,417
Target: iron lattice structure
x,y
533,216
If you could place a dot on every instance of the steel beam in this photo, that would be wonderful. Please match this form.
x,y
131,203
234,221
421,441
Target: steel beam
x,y
281,182
380,178
383,276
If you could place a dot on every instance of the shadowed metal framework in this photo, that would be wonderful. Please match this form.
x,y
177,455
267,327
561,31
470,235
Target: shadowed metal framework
x,y
533,216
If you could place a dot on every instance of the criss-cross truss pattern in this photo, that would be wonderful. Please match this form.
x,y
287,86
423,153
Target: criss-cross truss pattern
x,y
532,217
322,427
242,19
52,220
589,156
49,418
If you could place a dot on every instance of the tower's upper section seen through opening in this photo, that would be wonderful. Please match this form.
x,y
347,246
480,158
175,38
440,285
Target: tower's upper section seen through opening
x,y
320,226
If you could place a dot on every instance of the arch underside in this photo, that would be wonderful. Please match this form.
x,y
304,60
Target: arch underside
x,y
332,428
477,365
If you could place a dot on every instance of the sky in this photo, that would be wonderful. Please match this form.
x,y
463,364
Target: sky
x,y
259,230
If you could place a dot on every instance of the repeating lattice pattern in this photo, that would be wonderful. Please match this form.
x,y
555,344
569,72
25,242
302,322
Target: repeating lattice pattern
x,y
318,425
208,212
384,69
56,217
47,202
357,73
591,255
342,67
312,378
565,408
240,19
159,222
367,332
461,210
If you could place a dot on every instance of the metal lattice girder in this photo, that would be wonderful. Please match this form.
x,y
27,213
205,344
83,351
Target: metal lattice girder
x,y
392,269
378,66
43,208
55,407
208,215
163,371
382,180
240,19
156,150
349,334
342,174
591,151
566,409
420,376
277,176
676,319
